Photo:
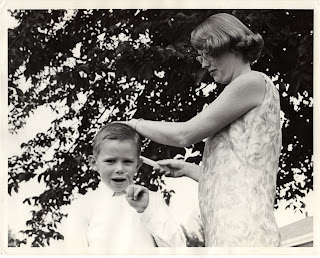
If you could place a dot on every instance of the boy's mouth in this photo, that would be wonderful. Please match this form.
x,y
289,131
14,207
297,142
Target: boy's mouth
x,y
118,180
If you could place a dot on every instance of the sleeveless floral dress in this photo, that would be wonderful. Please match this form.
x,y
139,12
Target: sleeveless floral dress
x,y
237,185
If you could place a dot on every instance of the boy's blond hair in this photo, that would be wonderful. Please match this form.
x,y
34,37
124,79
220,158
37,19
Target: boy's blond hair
x,y
115,131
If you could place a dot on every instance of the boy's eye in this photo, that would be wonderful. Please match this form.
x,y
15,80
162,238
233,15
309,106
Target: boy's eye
x,y
128,161
109,161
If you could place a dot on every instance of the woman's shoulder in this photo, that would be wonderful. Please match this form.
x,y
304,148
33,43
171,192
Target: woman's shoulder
x,y
249,81
253,79
250,85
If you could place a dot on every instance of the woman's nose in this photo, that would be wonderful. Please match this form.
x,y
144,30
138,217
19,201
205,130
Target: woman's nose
x,y
205,63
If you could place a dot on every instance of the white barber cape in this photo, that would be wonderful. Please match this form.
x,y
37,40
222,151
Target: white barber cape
x,y
101,220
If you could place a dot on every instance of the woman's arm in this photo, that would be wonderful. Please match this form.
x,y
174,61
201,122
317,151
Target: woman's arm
x,y
240,96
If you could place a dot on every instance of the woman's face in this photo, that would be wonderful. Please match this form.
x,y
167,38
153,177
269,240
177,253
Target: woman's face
x,y
222,68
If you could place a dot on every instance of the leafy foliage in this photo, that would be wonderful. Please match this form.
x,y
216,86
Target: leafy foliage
x,y
97,66
195,238
13,241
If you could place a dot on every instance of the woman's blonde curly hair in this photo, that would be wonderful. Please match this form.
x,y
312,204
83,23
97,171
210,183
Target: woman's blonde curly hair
x,y
223,32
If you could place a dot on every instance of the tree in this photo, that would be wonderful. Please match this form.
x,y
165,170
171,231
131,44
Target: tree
x,y
13,241
97,66
195,237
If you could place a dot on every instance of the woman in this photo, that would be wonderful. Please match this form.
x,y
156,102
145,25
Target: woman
x,y
237,178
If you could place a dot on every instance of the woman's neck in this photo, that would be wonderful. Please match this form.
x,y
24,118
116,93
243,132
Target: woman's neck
x,y
241,68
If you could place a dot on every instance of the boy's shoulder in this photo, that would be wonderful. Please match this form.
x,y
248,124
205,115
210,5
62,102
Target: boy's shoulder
x,y
156,199
86,200
156,194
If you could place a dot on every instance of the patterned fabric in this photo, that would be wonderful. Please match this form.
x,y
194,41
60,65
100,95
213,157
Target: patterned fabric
x,y
237,186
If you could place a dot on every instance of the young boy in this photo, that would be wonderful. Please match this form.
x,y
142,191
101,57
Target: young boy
x,y
119,215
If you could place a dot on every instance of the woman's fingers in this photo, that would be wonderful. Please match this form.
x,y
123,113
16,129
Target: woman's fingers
x,y
166,162
163,170
173,167
169,173
121,122
171,163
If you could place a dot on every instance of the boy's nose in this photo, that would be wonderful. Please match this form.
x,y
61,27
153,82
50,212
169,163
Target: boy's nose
x,y
119,168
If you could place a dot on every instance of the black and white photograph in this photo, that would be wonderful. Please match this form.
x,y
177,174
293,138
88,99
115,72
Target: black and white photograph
x,y
172,129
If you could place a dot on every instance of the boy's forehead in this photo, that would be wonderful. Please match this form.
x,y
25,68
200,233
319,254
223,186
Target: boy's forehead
x,y
128,144
106,140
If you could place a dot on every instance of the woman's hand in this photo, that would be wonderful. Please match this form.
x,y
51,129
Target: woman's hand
x,y
171,168
178,168
122,122
132,123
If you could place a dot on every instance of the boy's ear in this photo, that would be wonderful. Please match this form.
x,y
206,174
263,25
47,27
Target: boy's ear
x,y
140,162
92,162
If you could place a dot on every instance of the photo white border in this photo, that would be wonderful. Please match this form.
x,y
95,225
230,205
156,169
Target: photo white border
x,y
151,4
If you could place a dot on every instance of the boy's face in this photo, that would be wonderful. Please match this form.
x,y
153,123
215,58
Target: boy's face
x,y
117,163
